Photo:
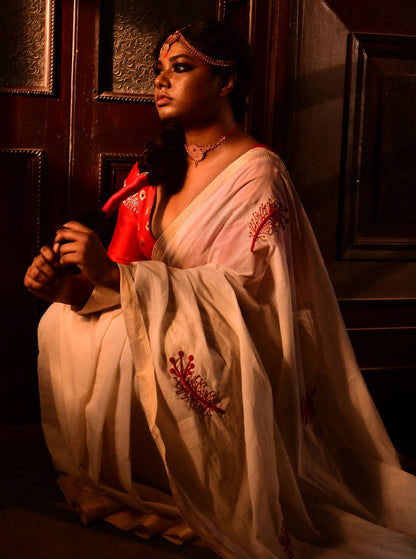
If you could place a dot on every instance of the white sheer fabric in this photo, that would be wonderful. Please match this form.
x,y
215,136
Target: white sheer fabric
x,y
229,349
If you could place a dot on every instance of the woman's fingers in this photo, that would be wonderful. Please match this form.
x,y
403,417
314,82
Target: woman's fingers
x,y
72,231
76,226
47,279
79,245
72,242
50,256
36,280
41,272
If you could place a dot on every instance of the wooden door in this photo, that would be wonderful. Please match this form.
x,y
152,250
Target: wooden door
x,y
76,79
35,86
351,151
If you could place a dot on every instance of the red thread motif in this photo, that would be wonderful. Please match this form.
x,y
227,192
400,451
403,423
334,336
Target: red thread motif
x,y
286,541
268,218
193,388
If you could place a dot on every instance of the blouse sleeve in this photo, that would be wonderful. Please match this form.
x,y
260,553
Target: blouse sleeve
x,y
124,247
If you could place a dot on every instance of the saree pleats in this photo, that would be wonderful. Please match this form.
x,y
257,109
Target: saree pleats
x,y
219,397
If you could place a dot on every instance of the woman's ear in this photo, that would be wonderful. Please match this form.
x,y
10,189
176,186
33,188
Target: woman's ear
x,y
227,83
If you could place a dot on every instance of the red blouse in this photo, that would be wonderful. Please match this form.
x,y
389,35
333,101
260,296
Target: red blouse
x,y
132,239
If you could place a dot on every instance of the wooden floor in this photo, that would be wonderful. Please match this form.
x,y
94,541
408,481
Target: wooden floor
x,y
36,523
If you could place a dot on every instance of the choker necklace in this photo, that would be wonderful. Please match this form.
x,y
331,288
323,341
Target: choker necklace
x,y
198,153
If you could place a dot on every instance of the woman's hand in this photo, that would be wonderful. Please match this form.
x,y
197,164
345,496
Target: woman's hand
x,y
46,279
77,244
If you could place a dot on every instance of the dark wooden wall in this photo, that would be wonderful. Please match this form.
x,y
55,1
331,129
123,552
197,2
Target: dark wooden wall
x,y
351,151
333,94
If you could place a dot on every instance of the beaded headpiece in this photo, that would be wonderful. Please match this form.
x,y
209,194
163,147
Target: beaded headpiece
x,y
178,37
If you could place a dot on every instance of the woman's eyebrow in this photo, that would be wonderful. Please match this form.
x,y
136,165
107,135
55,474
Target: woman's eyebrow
x,y
177,56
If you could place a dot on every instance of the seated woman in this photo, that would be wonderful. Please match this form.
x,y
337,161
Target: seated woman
x,y
197,380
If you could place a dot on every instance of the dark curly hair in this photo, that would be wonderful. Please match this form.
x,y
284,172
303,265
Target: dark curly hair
x,y
220,41
165,158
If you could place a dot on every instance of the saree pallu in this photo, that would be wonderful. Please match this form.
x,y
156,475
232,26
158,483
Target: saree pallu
x,y
217,396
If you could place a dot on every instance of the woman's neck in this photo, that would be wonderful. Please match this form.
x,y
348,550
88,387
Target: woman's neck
x,y
207,134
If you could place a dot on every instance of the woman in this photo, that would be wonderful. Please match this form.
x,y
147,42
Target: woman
x,y
205,385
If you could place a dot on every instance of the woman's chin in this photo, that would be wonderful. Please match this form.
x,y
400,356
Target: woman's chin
x,y
167,118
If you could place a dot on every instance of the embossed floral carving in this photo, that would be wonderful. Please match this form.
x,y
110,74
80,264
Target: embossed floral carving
x,y
26,46
137,25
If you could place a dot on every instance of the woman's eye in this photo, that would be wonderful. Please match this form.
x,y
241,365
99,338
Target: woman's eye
x,y
179,68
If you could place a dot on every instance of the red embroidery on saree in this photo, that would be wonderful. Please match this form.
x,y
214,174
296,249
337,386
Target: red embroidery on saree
x,y
268,218
193,388
286,541
307,408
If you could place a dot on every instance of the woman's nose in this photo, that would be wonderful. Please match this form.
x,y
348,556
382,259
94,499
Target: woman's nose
x,y
162,80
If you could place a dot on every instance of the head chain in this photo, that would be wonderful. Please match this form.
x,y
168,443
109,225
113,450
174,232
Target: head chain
x,y
178,37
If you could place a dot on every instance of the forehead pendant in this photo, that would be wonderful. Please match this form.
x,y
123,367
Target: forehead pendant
x,y
169,42
177,36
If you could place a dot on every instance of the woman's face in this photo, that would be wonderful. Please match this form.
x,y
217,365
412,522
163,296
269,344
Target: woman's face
x,y
186,89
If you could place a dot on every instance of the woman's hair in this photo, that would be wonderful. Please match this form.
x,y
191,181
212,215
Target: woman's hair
x,y
165,158
221,42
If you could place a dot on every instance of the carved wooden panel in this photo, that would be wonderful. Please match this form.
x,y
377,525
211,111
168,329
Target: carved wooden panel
x,y
23,175
350,104
27,47
114,168
129,32
379,220
22,172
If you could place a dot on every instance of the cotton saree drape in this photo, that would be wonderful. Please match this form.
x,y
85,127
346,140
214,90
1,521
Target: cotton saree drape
x,y
218,395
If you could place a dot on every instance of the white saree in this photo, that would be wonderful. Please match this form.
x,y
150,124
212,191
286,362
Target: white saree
x,y
218,395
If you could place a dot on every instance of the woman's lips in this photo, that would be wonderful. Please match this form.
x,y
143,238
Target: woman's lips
x,y
162,99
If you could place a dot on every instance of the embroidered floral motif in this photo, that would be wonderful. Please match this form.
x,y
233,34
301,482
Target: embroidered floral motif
x,y
268,218
286,541
132,202
307,408
193,388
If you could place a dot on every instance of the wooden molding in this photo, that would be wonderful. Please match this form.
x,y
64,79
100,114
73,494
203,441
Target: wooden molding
x,y
37,159
376,221
31,67
112,168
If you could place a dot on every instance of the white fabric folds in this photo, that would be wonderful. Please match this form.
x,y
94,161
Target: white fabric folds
x,y
222,396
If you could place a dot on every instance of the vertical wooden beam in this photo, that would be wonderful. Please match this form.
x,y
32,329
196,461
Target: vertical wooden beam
x,y
269,32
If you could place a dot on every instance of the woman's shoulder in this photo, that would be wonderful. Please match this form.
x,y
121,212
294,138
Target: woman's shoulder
x,y
260,159
261,176
255,149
